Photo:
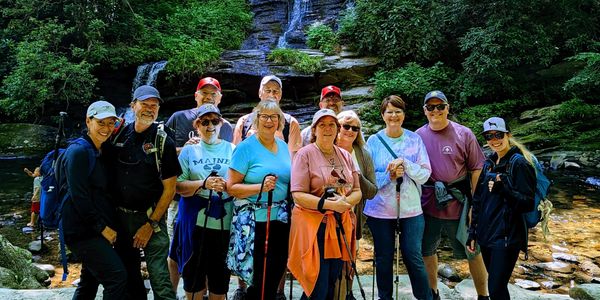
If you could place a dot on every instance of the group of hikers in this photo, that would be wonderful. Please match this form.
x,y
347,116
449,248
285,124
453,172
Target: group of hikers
x,y
262,196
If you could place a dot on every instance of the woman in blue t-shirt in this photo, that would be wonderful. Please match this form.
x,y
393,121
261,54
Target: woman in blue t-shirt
x,y
261,163
204,209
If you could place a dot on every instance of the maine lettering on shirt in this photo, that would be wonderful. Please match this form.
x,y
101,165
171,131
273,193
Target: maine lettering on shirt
x,y
212,161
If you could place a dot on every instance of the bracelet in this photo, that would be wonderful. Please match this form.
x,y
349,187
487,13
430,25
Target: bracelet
x,y
320,204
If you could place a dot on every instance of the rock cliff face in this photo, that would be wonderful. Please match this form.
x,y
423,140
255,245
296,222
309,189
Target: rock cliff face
x,y
272,18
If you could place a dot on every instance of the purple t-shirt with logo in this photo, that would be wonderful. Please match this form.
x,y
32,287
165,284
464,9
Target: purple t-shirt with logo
x,y
453,151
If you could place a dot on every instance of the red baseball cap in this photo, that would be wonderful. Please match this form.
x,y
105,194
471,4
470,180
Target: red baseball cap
x,y
330,89
210,81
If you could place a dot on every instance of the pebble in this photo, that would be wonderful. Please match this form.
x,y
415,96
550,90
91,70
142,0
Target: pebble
x,y
549,284
35,246
565,257
527,284
572,165
556,266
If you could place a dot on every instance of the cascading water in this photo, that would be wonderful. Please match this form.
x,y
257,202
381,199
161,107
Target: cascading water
x,y
299,10
146,75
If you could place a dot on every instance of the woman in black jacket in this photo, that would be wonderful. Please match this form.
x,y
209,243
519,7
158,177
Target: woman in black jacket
x,y
88,217
502,195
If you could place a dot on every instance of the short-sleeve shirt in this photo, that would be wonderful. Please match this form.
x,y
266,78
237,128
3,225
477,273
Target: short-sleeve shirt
x,y
312,171
453,151
182,122
254,161
136,181
37,184
197,162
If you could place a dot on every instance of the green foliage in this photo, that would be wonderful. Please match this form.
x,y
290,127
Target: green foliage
x,y
473,117
322,37
576,111
51,50
398,31
298,60
586,83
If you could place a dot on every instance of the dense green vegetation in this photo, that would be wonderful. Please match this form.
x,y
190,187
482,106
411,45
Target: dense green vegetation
x,y
52,50
298,60
489,57
322,37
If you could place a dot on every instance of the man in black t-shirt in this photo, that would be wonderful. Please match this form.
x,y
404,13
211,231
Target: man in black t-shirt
x,y
144,174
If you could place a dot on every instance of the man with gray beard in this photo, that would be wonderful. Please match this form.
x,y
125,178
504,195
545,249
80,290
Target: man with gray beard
x,y
144,168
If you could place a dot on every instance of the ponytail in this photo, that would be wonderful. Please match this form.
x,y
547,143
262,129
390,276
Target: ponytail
x,y
526,153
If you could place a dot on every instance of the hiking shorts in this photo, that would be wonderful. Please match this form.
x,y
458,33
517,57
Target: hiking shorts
x,y
433,235
35,207
210,265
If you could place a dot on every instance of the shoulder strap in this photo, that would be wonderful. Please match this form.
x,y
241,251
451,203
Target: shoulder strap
x,y
286,127
246,126
159,142
512,161
386,145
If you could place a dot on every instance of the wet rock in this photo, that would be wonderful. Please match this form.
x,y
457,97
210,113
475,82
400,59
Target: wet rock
x,y
448,272
559,248
565,257
527,284
18,261
590,268
572,165
466,290
588,291
556,266
581,277
35,246
48,268
26,139
549,285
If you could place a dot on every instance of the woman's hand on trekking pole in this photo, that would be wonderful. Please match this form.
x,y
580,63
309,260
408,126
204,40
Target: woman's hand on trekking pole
x,y
339,204
215,183
269,185
109,234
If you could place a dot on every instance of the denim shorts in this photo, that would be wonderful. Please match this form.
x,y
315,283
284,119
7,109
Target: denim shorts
x,y
432,237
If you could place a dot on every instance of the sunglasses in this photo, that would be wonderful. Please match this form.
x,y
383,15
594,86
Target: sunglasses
x,y
215,122
439,107
488,136
348,127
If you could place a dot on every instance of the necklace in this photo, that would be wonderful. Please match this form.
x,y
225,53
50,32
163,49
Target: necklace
x,y
330,157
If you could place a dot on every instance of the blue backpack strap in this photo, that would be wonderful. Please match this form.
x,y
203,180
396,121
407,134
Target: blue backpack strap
x,y
386,145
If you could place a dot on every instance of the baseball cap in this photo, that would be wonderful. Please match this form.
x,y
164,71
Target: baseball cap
x,y
323,113
208,81
495,123
145,92
207,109
268,78
101,110
330,89
435,94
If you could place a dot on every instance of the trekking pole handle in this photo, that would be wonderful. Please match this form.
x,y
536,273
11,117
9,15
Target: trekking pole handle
x,y
399,181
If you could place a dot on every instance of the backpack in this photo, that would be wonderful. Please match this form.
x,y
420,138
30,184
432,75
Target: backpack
x,y
250,119
55,192
542,187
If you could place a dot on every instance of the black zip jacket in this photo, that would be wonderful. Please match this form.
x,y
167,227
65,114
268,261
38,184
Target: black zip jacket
x,y
498,215
88,209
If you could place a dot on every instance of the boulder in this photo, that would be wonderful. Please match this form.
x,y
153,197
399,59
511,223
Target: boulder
x,y
588,291
590,268
527,284
18,261
47,268
565,257
556,266
466,290
20,139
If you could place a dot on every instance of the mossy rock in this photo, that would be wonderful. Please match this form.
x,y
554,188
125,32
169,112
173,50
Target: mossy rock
x,y
16,263
19,139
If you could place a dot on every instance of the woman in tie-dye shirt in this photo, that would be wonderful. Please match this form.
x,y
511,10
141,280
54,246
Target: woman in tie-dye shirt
x,y
386,213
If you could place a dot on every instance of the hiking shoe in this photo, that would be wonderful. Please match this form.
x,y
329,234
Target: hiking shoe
x,y
280,296
240,294
483,297
436,295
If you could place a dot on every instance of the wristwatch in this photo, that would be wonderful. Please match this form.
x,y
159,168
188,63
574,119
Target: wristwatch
x,y
154,225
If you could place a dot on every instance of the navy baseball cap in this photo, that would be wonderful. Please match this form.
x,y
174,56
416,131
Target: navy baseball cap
x,y
435,94
145,92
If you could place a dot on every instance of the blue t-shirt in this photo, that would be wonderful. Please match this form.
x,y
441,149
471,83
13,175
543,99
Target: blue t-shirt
x,y
197,162
255,161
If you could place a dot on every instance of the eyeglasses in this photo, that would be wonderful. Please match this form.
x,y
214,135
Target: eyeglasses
x,y
215,122
332,99
488,136
439,107
348,127
264,117
208,94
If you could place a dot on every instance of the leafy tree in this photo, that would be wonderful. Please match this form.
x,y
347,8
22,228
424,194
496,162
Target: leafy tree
x,y
322,37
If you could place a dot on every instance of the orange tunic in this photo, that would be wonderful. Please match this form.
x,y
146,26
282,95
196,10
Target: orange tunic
x,y
303,260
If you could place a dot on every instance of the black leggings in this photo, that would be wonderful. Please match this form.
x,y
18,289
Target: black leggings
x,y
499,264
277,256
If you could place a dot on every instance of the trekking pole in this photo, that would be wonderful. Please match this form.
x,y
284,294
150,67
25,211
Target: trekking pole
x,y
269,204
338,219
206,212
373,283
398,184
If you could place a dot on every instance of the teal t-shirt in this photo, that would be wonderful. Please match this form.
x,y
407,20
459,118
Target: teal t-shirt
x,y
253,160
197,162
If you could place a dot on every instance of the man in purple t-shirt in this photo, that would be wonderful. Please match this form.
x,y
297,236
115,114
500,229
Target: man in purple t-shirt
x,y
454,153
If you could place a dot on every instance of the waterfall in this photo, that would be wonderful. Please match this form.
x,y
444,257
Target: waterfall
x,y
146,75
295,20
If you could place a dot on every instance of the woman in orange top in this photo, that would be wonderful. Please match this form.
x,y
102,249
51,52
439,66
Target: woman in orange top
x,y
317,253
